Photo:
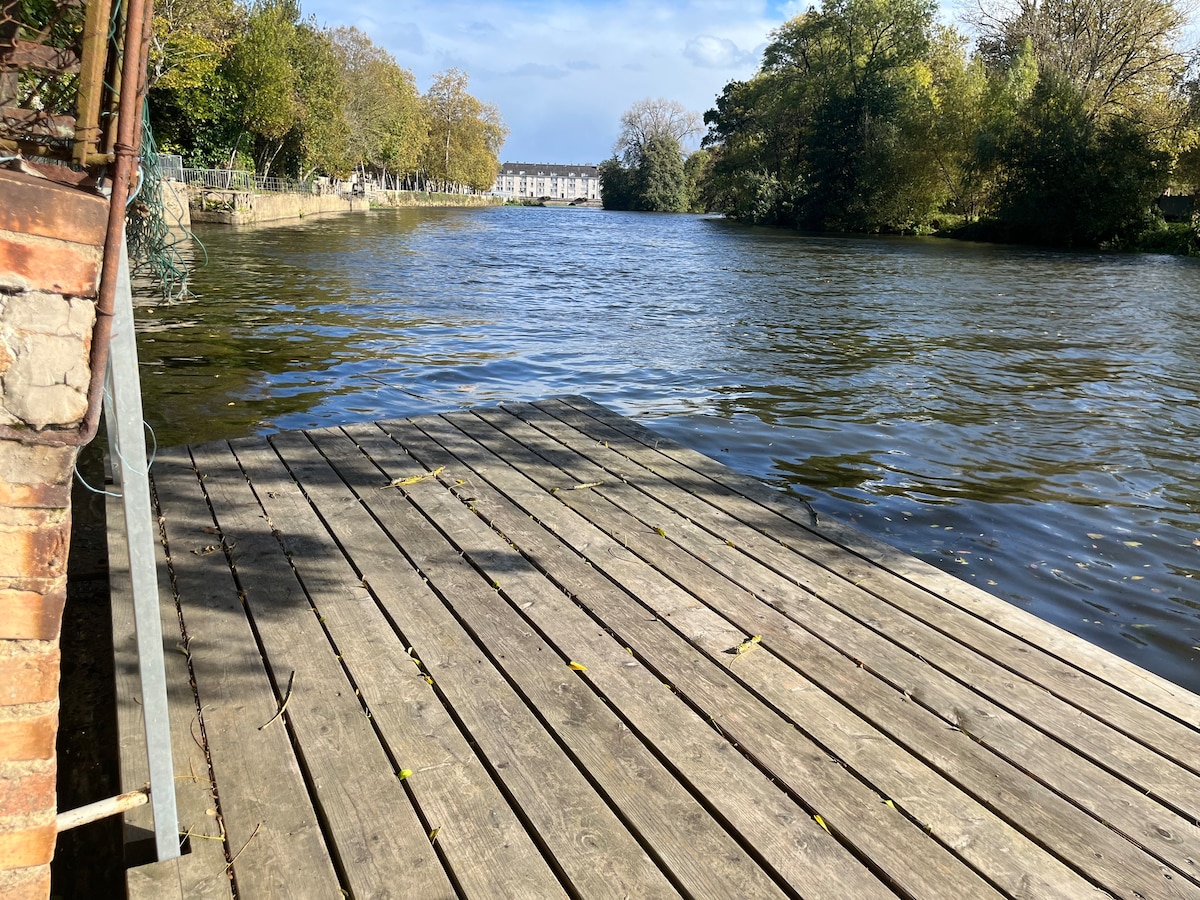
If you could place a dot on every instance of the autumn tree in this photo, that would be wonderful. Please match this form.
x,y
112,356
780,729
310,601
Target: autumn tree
x,y
386,129
464,134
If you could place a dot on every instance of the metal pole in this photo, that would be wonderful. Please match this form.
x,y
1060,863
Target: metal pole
x,y
131,475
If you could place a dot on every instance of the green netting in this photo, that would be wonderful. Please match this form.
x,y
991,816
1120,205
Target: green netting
x,y
155,235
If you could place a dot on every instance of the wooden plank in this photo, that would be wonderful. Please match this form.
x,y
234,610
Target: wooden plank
x,y
860,817
1006,857
1158,692
942,624
588,839
269,819
484,843
1174,839
200,873
379,842
782,832
1030,806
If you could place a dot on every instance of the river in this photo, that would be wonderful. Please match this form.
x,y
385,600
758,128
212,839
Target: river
x,y
1024,419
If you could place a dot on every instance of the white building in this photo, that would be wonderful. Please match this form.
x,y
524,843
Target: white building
x,y
535,181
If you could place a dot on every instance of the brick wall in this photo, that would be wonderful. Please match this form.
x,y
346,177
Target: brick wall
x,y
50,251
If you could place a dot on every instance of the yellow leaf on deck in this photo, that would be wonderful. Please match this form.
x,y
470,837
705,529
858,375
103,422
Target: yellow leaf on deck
x,y
661,533
821,822
404,773
745,646
405,482
578,667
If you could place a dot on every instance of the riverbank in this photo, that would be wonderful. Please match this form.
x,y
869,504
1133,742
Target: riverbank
x,y
430,200
221,207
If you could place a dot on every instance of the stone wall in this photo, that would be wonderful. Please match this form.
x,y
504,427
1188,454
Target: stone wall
x,y
51,240
432,199
246,208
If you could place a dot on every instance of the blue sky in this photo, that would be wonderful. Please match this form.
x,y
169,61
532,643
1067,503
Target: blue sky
x,y
563,71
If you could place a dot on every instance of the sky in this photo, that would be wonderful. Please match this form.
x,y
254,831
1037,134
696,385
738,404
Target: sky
x,y
561,72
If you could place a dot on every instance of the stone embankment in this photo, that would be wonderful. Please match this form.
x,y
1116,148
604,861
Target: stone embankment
x,y
248,208
432,199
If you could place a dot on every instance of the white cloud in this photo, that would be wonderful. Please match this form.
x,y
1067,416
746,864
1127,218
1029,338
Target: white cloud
x,y
562,71
711,52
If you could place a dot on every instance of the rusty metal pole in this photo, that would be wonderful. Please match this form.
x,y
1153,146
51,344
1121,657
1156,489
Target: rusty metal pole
x,y
129,140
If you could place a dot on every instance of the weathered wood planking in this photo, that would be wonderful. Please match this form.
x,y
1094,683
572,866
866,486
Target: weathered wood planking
x,y
271,829
202,872
532,610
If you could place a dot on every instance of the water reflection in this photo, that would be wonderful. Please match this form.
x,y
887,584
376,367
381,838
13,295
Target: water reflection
x,y
1024,419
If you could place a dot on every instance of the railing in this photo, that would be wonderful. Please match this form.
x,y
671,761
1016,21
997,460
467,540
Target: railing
x,y
237,180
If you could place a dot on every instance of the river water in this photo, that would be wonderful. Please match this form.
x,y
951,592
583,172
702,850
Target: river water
x,y
1026,420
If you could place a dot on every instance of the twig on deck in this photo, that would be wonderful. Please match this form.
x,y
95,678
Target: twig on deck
x,y
282,706
248,840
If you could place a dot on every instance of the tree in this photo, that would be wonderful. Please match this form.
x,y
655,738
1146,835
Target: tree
x,y
262,70
465,135
190,40
616,185
833,132
386,128
697,171
1072,180
658,180
648,120
1123,57
646,169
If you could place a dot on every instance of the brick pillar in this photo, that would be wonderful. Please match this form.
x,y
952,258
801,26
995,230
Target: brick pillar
x,y
50,249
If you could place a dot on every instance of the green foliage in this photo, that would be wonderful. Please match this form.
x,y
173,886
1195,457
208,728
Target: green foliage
x,y
1070,180
697,170
1063,127
646,172
660,183
230,79
833,132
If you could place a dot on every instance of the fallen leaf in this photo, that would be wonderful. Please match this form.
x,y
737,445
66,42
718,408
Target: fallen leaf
x,y
578,667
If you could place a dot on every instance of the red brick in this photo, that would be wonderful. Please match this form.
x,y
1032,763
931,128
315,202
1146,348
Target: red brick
x,y
25,884
35,477
28,677
48,265
22,739
25,794
27,615
36,206
28,847
35,549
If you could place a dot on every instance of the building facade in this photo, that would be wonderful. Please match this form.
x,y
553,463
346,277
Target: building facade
x,y
536,181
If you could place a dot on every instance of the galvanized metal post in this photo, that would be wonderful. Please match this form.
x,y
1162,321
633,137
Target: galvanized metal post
x,y
127,444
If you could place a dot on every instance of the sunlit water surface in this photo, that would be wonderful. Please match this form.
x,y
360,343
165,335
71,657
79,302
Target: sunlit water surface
x,y
1026,420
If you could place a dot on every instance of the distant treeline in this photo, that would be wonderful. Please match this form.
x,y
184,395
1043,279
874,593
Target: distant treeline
x,y
256,85
1062,125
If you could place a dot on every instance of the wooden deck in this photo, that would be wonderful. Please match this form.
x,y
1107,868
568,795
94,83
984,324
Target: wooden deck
x,y
505,641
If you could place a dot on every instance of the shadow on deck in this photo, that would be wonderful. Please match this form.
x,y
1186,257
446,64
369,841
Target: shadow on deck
x,y
540,651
